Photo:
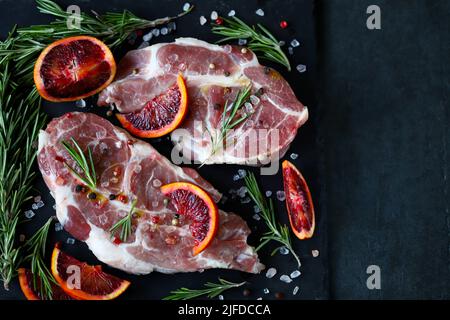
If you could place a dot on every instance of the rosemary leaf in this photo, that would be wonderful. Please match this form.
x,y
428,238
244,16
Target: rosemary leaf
x,y
124,224
211,290
277,232
86,165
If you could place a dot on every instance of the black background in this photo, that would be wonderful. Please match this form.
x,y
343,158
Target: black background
x,y
375,151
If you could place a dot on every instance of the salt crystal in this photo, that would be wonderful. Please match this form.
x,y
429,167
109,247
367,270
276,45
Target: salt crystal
x,y
256,217
156,32
242,42
34,206
164,31
137,169
259,298
281,195
214,15
58,226
294,156
70,241
256,209
301,68
268,193
143,45
54,206
220,297
260,12
315,253
172,26
285,278
266,291
281,43
271,272
249,108
245,200
232,13
291,50
242,173
186,6
29,214
295,43
37,198
118,144
40,204
241,191
236,177
80,103
157,183
294,292
254,100
284,251
203,20
147,37
295,274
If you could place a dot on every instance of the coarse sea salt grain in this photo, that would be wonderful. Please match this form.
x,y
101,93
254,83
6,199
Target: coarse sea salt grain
x,y
241,191
172,26
256,217
80,103
281,195
214,15
266,291
315,253
58,226
256,209
156,32
284,251
295,43
271,272
232,13
259,298
143,45
268,193
246,200
29,214
147,37
54,206
295,274
242,42
203,20
157,183
285,278
295,291
260,12
70,241
221,297
186,6
40,204
164,31
291,50
34,206
294,156
301,68
236,177
242,173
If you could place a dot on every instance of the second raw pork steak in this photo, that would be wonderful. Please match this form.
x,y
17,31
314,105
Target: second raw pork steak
x,y
214,74
132,168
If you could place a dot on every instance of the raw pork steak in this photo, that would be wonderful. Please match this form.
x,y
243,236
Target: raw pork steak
x,y
214,74
133,168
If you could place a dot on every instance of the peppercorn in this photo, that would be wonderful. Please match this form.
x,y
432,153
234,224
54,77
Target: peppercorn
x,y
279,295
266,70
79,188
246,292
92,195
227,73
260,91
112,196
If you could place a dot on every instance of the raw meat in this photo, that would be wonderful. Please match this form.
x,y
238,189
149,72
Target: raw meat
x,y
133,168
214,74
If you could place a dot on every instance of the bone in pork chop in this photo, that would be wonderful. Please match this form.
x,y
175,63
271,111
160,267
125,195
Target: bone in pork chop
x,y
133,168
214,74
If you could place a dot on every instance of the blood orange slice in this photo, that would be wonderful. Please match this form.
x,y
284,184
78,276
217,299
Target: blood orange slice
x,y
298,202
73,68
31,293
94,284
198,207
159,116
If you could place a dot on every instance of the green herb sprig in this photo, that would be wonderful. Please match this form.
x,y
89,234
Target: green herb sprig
x,y
260,40
85,164
211,290
124,224
277,232
42,277
228,119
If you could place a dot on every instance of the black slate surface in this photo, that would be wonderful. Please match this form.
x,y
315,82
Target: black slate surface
x,y
313,283
384,122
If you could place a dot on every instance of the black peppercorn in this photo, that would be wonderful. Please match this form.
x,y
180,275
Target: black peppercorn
x,y
92,195
112,196
226,73
266,70
260,91
78,188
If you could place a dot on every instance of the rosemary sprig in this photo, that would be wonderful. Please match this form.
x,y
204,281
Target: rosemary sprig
x,y
112,28
124,224
228,119
42,277
211,290
277,232
260,40
20,122
86,165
